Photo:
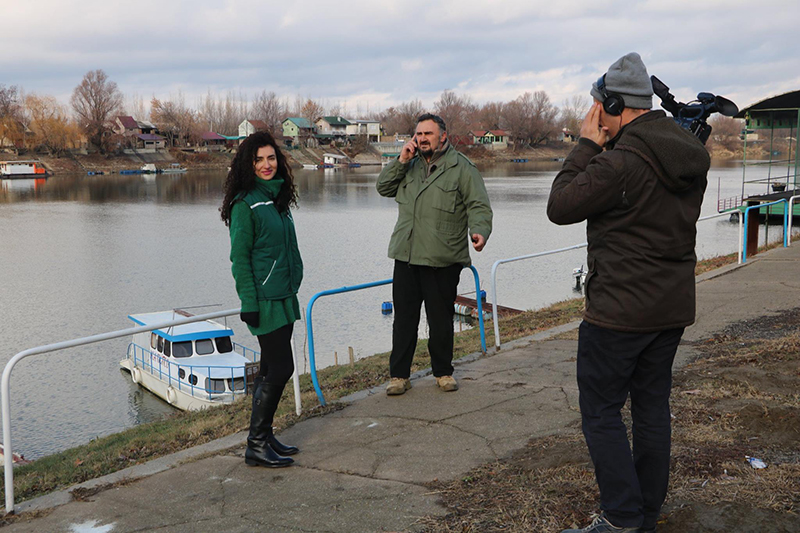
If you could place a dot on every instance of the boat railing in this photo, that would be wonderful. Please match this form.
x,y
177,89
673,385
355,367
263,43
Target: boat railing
x,y
245,350
5,393
173,378
310,327
570,248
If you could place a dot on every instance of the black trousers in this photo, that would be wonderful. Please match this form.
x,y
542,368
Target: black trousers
x,y
436,287
611,365
277,364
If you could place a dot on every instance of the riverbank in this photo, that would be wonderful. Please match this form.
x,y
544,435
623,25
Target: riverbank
x,y
509,435
182,430
114,163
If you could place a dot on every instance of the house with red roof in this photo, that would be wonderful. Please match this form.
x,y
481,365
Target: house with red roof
x,y
491,139
213,142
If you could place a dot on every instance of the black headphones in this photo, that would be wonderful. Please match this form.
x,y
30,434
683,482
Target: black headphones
x,y
613,104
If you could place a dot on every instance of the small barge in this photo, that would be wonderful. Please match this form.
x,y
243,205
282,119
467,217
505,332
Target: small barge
x,y
22,169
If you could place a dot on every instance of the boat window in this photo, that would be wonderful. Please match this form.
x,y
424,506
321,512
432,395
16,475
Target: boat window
x,y
238,384
182,349
224,344
161,344
215,385
193,379
153,341
204,346
181,373
166,348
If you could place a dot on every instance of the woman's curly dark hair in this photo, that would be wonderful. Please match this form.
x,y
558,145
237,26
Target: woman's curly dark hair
x,y
242,176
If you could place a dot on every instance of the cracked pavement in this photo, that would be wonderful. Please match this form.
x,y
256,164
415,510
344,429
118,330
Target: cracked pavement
x,y
365,467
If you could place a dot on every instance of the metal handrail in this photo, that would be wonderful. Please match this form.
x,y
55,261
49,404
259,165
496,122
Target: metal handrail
x,y
789,222
5,394
561,250
759,206
511,260
310,327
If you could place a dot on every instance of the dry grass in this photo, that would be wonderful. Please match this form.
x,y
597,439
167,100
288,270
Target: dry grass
x,y
740,398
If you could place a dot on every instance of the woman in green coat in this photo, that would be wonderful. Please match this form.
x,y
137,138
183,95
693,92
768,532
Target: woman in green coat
x,y
268,270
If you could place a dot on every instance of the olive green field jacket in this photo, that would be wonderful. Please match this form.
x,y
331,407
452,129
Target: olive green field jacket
x,y
436,212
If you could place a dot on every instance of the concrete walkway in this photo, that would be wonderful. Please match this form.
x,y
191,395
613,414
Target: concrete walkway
x,y
364,468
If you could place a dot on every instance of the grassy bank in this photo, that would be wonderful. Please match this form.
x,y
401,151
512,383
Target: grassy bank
x,y
740,398
182,430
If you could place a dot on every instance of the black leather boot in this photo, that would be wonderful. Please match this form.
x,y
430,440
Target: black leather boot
x,y
259,452
282,449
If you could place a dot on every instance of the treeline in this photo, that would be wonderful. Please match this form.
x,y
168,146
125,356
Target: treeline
x,y
40,122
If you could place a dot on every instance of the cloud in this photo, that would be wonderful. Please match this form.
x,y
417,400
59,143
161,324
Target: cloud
x,y
383,52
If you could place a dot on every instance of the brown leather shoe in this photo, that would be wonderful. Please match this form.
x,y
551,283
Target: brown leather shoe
x,y
447,383
398,386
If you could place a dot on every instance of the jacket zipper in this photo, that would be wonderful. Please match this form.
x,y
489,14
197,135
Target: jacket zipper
x,y
270,272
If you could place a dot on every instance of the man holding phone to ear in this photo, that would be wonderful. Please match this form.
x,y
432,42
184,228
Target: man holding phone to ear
x,y
442,206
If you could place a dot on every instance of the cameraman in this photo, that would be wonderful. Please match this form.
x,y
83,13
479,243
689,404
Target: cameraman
x,y
637,179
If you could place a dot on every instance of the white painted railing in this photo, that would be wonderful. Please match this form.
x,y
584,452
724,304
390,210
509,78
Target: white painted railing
x,y
6,381
567,249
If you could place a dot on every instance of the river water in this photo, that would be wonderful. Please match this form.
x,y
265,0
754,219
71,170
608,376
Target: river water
x,y
80,253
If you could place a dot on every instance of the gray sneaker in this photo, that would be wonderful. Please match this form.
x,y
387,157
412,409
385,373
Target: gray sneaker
x,y
602,525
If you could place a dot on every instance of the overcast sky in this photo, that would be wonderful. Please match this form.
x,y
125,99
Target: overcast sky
x,y
370,54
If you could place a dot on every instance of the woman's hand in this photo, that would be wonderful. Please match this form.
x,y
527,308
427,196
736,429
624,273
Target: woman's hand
x,y
251,318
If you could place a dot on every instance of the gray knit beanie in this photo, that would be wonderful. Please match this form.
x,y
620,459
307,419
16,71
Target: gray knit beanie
x,y
628,77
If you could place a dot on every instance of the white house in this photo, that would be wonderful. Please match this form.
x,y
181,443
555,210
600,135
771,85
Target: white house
x,y
370,128
251,126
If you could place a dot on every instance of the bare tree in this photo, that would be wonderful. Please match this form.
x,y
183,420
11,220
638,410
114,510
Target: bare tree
x,y
50,123
174,119
489,116
401,119
311,110
456,111
531,119
268,107
12,130
572,113
727,133
95,100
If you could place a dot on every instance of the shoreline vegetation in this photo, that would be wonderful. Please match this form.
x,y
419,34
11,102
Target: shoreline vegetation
x,y
181,430
220,160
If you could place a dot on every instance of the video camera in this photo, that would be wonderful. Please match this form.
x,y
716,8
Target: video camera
x,y
693,115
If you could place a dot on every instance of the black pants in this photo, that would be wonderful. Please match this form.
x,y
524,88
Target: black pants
x,y
612,364
413,285
277,364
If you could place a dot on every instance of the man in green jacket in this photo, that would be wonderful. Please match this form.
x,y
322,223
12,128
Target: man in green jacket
x,y
440,195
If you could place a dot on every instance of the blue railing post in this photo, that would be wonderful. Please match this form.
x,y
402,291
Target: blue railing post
x,y
747,219
312,361
480,307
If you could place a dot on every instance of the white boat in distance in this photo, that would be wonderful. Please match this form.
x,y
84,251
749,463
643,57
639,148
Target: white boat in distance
x,y
192,366
174,168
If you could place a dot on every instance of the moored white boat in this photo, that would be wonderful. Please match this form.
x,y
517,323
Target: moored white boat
x,y
174,168
191,366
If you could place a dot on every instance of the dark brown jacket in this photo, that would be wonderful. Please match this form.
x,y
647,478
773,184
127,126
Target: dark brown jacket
x,y
641,199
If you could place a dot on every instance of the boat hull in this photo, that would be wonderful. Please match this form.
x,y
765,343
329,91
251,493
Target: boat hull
x,y
178,395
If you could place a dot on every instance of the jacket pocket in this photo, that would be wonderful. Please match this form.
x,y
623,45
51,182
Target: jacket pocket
x,y
444,195
269,274
402,193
